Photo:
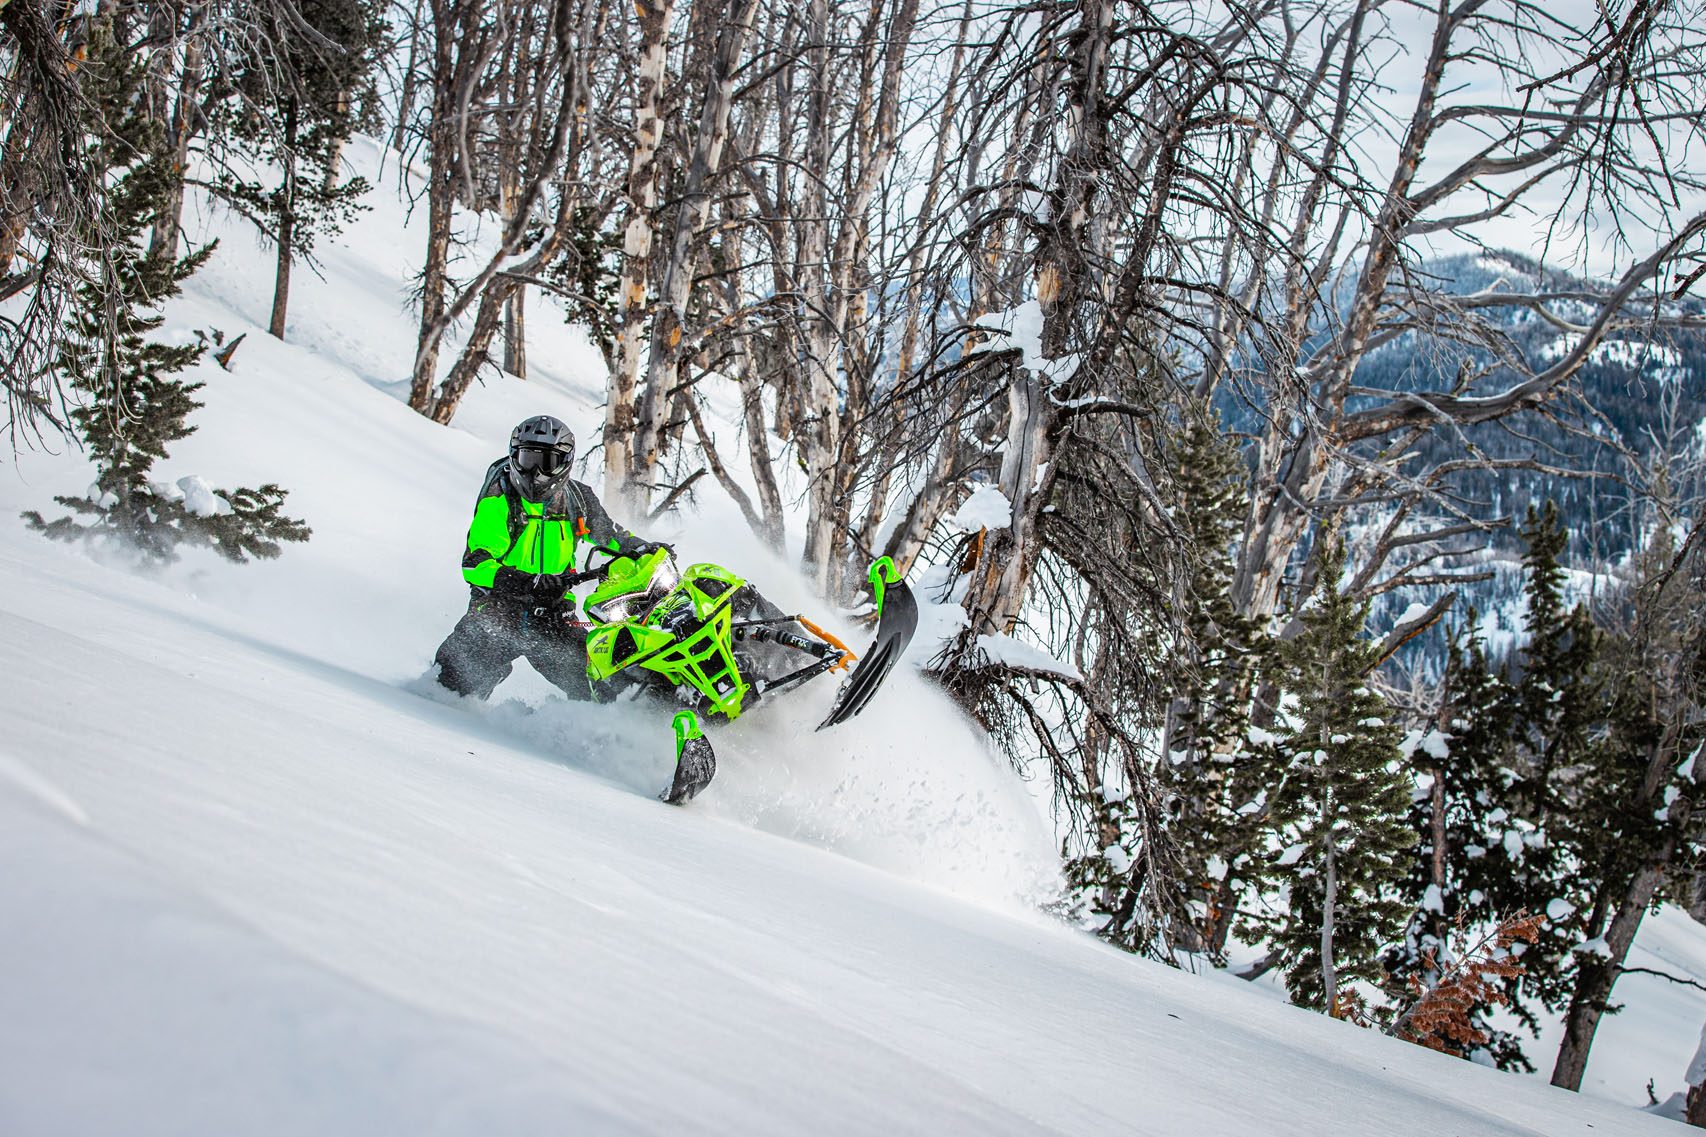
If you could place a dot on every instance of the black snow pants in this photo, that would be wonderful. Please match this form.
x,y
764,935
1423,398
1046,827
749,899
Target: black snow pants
x,y
479,652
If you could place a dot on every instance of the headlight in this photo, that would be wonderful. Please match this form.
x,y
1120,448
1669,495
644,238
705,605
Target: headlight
x,y
612,611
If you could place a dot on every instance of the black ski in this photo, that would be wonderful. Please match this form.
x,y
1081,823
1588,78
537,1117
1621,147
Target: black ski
x,y
897,621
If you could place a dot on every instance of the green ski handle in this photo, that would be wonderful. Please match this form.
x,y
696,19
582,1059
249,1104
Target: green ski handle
x,y
686,730
883,574
695,761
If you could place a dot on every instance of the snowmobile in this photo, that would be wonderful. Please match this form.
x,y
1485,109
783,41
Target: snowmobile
x,y
705,640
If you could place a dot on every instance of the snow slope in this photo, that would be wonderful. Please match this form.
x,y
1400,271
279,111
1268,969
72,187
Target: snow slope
x,y
256,878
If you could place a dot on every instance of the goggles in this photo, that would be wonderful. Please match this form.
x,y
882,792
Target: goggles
x,y
537,460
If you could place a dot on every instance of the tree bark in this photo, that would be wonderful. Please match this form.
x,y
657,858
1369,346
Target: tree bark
x,y
1695,1104
441,197
1003,572
928,506
621,410
514,316
551,113
997,592
758,452
1329,904
488,320
1597,975
818,437
286,224
186,112
515,332
676,279
835,276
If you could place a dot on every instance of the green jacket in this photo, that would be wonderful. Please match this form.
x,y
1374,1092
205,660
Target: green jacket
x,y
511,535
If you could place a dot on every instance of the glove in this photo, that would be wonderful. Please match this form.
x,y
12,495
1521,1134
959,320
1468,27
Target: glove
x,y
647,548
542,589
547,597
548,588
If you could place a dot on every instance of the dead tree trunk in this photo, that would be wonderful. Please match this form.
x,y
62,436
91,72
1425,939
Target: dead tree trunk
x,y
819,439
544,142
515,333
998,587
511,145
835,276
488,320
676,276
286,224
448,79
1597,974
932,495
638,234
186,113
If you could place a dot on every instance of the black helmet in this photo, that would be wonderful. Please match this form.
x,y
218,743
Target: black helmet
x,y
540,452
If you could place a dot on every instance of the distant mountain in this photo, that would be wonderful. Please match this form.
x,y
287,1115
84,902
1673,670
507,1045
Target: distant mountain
x,y
1640,396
1642,401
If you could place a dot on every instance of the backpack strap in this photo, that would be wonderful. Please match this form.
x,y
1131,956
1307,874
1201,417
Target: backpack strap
x,y
498,478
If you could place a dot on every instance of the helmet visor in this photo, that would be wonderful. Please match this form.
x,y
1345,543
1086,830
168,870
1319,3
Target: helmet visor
x,y
540,460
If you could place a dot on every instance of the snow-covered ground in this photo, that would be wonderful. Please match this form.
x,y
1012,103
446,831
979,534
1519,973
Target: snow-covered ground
x,y
256,878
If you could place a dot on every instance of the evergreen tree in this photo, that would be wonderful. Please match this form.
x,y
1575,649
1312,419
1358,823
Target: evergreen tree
x,y
134,404
1526,790
288,113
1457,878
1634,821
1539,826
1215,780
1340,811
585,277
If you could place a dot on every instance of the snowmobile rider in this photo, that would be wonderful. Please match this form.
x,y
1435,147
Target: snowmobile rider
x,y
531,521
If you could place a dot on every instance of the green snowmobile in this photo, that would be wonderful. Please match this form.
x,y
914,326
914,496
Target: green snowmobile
x,y
706,640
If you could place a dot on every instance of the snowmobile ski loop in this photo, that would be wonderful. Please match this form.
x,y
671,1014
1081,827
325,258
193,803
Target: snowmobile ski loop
x,y
897,621
695,761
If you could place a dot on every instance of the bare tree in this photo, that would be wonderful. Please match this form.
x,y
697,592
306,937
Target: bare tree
x,y
510,129
48,196
638,235
702,166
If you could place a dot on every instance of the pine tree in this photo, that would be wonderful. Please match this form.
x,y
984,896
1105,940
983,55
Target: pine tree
x,y
585,280
1555,704
289,112
1214,778
134,404
1634,817
1457,877
1340,811
1528,785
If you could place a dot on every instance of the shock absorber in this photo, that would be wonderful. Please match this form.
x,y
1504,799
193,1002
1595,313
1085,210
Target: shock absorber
x,y
771,634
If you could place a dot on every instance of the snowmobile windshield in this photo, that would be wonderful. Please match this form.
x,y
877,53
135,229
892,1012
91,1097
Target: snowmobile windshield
x,y
642,591
664,578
